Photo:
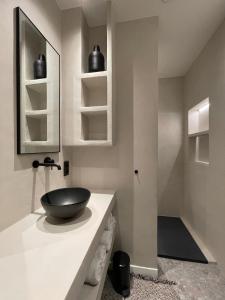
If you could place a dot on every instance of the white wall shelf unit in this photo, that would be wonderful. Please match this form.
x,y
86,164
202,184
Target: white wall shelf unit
x,y
89,100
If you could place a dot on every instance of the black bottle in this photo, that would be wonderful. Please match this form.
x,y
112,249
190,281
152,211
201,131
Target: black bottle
x,y
40,67
96,60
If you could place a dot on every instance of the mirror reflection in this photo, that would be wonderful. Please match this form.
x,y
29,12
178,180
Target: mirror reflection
x,y
38,95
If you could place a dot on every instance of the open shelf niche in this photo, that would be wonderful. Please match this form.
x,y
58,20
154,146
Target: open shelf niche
x,y
94,89
94,126
198,129
36,128
38,115
198,119
90,98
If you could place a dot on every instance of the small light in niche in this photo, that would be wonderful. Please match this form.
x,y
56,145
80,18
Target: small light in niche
x,y
206,106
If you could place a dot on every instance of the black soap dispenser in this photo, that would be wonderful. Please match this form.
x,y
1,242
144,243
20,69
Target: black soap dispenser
x,y
40,67
96,61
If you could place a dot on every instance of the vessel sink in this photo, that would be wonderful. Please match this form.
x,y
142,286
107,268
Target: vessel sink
x,y
66,202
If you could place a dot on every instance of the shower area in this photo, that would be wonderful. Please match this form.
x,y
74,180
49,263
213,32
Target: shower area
x,y
183,155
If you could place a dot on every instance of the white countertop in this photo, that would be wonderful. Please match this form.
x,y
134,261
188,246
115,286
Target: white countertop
x,y
44,261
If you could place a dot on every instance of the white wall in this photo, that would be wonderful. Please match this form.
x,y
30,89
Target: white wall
x,y
170,147
136,144
204,203
20,186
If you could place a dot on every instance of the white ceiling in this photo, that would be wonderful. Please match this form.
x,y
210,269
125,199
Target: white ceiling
x,y
185,26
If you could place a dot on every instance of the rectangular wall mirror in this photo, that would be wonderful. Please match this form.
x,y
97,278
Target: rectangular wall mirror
x,y
38,90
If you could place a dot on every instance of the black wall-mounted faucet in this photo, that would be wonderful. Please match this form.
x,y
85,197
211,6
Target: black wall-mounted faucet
x,y
48,162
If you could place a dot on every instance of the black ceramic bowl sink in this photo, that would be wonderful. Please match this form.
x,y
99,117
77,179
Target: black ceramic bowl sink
x,y
65,203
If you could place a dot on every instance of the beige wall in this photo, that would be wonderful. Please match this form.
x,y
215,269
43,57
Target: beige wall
x,y
170,147
136,145
20,186
204,204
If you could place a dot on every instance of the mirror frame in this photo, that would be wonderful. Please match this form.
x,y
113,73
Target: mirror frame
x,y
18,10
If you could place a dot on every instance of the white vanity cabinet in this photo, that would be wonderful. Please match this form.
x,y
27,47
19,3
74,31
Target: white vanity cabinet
x,y
49,261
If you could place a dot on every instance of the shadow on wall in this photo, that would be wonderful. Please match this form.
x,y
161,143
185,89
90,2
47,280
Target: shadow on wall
x,y
171,188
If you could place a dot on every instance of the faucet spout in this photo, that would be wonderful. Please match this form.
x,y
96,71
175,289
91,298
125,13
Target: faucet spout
x,y
55,165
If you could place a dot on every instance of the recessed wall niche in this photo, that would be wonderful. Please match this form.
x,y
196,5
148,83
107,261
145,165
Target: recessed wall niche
x,y
94,89
198,118
91,105
198,129
94,126
93,36
202,149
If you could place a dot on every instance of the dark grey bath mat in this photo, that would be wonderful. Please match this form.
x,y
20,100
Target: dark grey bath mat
x,y
175,241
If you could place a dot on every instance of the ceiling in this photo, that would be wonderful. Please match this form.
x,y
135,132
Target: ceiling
x,y
185,26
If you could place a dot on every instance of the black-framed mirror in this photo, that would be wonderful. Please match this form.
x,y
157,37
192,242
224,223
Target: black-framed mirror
x,y
38,90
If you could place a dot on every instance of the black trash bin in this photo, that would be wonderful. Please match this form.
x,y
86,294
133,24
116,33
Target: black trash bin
x,y
121,273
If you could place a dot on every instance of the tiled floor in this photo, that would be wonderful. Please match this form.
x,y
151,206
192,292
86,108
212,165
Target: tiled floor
x,y
194,282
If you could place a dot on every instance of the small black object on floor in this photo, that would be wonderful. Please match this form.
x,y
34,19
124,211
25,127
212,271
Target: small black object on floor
x,y
120,275
175,241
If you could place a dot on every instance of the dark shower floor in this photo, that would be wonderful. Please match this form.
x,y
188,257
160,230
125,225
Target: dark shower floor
x,y
175,241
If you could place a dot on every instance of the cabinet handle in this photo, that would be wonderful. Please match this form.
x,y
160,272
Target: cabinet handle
x,y
135,172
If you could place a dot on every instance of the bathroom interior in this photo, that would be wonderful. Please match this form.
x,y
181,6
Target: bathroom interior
x,y
112,149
